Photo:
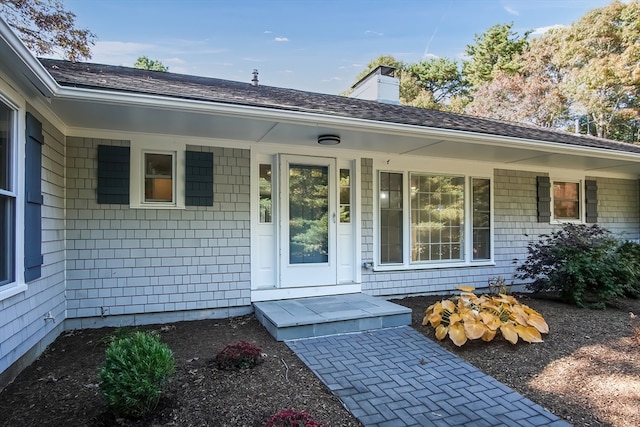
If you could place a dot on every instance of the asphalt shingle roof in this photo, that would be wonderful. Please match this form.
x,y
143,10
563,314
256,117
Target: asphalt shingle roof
x,y
132,80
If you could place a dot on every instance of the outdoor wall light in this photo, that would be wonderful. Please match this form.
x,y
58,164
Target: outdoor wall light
x,y
329,139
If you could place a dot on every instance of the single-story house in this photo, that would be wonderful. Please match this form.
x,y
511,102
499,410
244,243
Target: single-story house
x,y
130,196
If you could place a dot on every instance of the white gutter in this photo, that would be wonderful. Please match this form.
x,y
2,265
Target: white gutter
x,y
33,70
347,123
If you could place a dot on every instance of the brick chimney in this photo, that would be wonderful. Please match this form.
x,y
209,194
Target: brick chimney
x,y
379,85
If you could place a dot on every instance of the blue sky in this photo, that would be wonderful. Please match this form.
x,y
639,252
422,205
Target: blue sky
x,y
313,45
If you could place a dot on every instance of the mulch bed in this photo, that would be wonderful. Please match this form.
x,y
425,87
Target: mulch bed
x,y
587,372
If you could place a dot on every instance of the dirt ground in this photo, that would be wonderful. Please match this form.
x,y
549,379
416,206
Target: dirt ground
x,y
587,372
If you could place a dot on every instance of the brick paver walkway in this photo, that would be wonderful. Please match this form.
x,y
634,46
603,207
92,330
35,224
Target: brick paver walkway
x,y
397,377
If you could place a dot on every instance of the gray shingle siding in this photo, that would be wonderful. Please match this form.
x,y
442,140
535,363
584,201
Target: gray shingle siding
x,y
23,332
367,240
618,207
515,224
131,262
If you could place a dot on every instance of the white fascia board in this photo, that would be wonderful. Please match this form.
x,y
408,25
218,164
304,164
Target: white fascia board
x,y
37,75
317,119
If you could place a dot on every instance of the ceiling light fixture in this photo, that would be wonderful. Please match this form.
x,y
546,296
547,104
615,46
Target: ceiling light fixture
x,y
329,139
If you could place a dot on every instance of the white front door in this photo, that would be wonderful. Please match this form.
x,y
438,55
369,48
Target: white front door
x,y
307,221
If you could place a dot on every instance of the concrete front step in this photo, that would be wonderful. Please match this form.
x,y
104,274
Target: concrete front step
x,y
329,315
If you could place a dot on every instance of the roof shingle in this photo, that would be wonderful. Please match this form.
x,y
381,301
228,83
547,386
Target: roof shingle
x,y
132,80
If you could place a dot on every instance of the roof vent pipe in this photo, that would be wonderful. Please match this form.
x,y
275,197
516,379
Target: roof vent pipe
x,y
254,80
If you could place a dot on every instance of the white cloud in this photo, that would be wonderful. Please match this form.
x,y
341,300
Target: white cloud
x,y
180,70
173,61
375,33
511,11
281,39
541,30
120,53
268,32
430,56
176,65
332,79
249,59
117,47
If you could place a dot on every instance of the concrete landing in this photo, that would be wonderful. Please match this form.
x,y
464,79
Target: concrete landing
x,y
329,315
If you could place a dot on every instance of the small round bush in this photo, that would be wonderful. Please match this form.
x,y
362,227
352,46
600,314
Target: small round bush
x,y
134,372
239,355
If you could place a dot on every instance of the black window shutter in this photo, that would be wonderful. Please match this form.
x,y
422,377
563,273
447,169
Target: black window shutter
x,y
544,199
113,174
33,258
198,178
591,201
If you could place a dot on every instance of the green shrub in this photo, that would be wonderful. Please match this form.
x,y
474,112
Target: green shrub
x,y
133,375
629,252
581,262
239,355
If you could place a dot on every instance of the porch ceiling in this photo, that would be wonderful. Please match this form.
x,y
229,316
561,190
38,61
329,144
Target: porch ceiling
x,y
82,114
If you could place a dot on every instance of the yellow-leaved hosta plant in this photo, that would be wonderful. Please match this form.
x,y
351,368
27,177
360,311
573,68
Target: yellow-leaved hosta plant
x,y
472,317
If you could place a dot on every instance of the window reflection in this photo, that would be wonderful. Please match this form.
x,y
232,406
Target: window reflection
x,y
158,179
437,212
308,214
481,196
265,194
345,195
566,200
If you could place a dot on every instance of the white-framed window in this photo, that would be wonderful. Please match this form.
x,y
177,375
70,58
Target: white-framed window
x,y
8,193
159,177
345,195
481,220
437,217
265,190
427,220
157,174
567,200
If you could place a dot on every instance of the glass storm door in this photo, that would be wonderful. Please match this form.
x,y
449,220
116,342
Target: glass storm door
x,y
308,222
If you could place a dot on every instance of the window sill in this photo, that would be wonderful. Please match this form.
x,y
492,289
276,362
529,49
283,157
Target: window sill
x,y
7,291
159,206
398,267
566,221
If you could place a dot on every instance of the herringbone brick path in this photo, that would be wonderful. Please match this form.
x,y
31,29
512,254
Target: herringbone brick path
x,y
397,377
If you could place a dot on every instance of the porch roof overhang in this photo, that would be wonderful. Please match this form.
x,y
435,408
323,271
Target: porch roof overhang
x,y
86,109
228,110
